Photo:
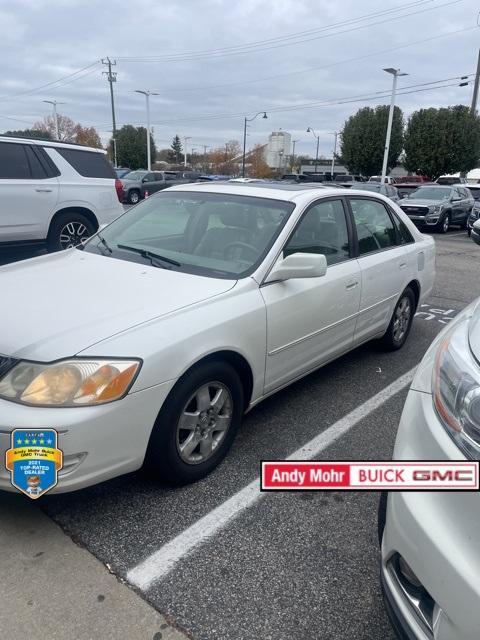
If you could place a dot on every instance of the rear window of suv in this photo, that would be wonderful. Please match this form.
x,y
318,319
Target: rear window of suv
x,y
88,163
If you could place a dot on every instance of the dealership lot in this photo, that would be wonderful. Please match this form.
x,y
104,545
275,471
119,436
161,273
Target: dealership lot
x,y
284,566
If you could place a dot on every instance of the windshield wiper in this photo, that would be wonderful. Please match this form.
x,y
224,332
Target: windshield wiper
x,y
105,243
149,255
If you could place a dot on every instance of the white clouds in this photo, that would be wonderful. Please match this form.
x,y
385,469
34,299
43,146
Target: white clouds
x,y
43,41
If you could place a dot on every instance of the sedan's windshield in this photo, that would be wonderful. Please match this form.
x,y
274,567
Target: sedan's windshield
x,y
135,175
430,193
211,234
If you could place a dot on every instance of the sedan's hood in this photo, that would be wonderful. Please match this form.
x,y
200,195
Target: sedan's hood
x,y
413,202
474,332
58,305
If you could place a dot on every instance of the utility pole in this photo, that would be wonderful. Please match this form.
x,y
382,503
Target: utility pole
x,y
310,130
55,115
475,86
111,78
292,162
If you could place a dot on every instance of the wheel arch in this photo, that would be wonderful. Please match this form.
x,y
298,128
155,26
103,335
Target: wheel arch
x,y
234,359
415,287
88,213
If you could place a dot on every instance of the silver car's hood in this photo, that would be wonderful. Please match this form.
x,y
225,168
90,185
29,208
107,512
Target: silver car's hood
x,y
57,305
413,202
474,332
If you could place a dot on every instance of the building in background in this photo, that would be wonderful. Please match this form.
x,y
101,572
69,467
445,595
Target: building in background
x,y
277,154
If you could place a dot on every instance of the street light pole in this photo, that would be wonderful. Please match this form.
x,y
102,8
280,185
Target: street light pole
x,y
185,149
147,95
55,115
395,73
245,136
294,142
310,130
334,133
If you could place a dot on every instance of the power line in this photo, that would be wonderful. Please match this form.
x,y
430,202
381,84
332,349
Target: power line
x,y
48,84
325,66
261,46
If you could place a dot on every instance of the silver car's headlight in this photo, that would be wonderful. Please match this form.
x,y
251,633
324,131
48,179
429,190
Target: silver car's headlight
x,y
69,383
456,390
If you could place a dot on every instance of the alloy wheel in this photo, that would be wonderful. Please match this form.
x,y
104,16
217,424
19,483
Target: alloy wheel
x,y
446,223
403,314
204,422
72,234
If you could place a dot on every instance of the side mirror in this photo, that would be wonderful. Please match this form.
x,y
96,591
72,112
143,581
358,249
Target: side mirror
x,y
299,265
144,179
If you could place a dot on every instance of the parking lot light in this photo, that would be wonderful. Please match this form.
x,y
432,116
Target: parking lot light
x,y
395,73
264,116
147,95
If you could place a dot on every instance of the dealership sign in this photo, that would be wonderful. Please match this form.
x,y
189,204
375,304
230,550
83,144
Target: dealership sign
x,y
369,476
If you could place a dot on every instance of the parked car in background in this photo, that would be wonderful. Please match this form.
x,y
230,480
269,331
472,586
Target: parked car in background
x,y
474,189
438,206
449,180
475,232
121,171
429,539
406,188
388,179
412,179
387,190
348,180
54,192
189,335
137,184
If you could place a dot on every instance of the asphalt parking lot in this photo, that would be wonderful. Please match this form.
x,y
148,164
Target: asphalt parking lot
x,y
222,562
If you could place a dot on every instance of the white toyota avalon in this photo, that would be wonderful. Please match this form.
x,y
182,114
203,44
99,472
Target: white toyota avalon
x,y
148,343
431,548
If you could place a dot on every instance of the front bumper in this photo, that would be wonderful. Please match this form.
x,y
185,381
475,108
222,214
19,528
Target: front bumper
x,y
436,533
98,443
430,219
475,236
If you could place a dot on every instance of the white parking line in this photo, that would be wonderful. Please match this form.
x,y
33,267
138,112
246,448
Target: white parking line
x,y
161,562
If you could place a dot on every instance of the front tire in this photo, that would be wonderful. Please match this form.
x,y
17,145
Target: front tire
x,y
443,224
401,322
196,425
68,230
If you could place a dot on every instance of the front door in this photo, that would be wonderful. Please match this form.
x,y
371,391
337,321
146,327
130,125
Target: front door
x,y
312,320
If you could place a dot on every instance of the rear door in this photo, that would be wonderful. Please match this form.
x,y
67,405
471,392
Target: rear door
x,y
28,193
383,265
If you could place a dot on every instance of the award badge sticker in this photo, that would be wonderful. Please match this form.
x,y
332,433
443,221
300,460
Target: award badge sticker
x,y
34,461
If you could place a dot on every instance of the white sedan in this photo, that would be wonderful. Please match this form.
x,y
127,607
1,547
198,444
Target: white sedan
x,y
147,344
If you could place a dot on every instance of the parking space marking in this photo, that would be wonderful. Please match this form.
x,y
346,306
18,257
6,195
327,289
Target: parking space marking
x,y
443,316
161,562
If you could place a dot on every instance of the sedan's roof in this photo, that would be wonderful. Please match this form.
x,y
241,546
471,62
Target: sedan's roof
x,y
276,191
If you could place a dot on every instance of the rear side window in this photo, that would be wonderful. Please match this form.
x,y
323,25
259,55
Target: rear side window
x,y
37,169
375,230
13,162
88,163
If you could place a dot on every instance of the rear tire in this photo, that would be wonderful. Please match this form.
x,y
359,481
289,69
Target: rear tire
x,y
401,322
133,196
190,437
68,230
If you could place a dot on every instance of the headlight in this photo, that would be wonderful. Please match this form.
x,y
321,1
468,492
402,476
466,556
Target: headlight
x,y
70,383
436,208
456,390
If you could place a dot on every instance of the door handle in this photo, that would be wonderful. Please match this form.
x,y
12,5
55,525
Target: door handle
x,y
44,190
351,285
402,265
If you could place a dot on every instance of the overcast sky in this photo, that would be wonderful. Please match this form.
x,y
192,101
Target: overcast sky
x,y
340,55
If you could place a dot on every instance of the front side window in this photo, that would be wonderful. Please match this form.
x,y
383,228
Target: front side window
x,y
375,230
323,230
210,234
13,162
